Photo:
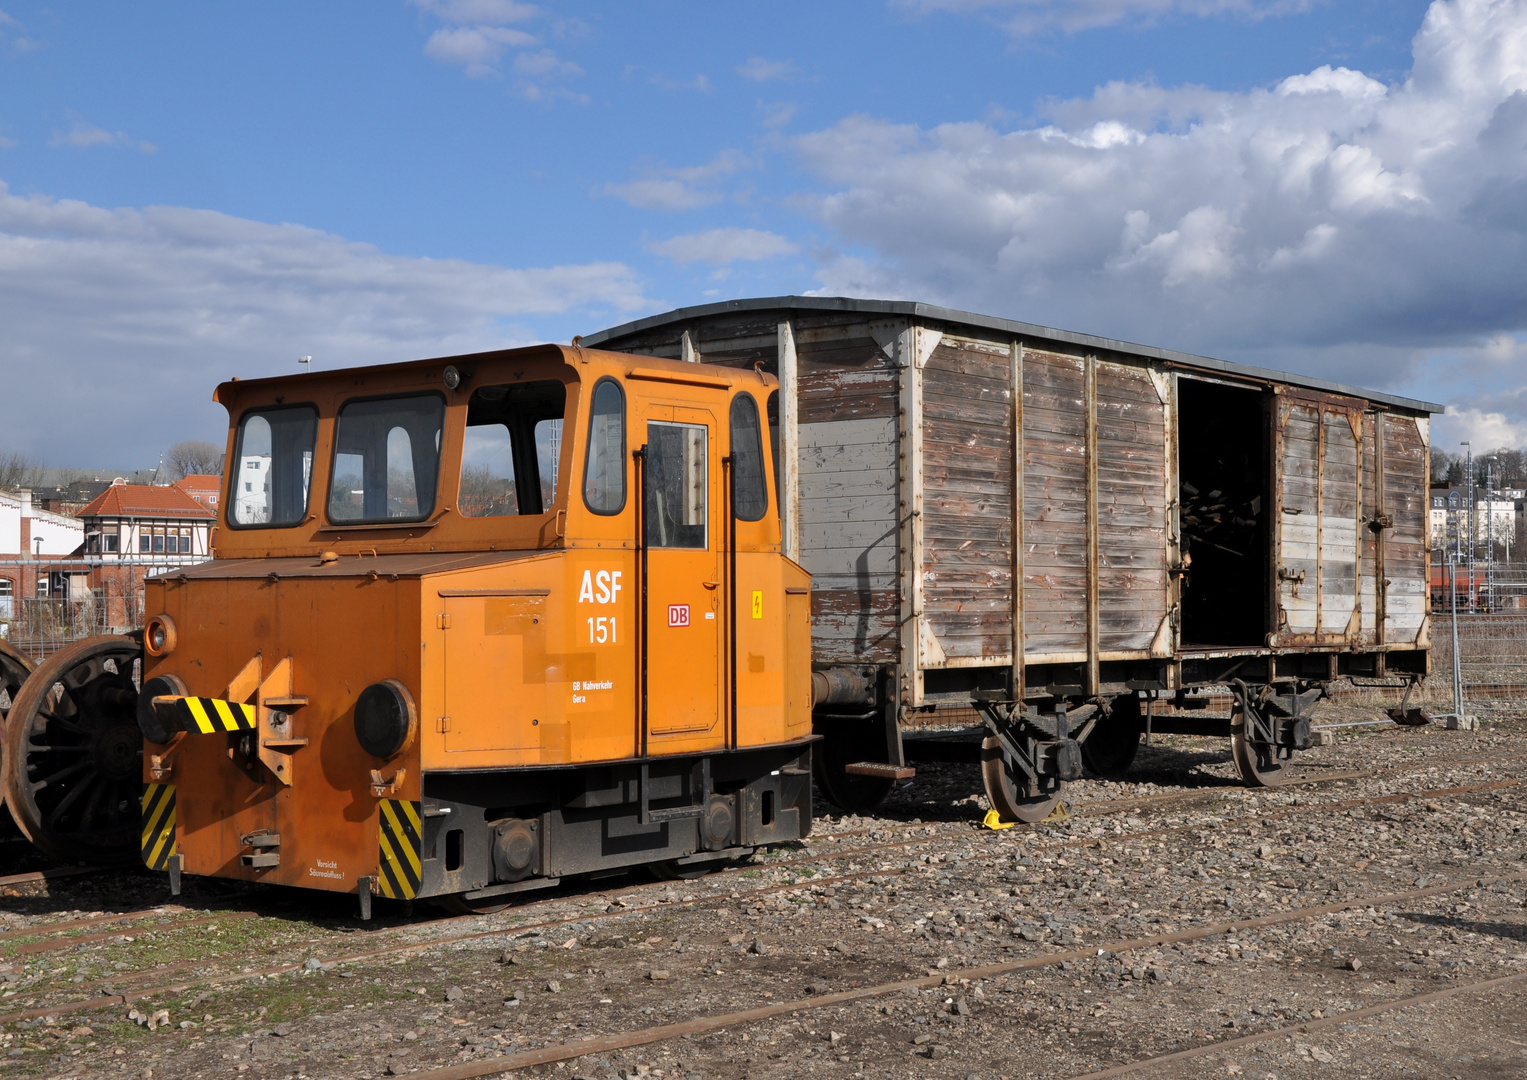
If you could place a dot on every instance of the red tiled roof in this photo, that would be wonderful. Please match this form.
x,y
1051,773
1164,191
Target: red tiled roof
x,y
201,482
141,500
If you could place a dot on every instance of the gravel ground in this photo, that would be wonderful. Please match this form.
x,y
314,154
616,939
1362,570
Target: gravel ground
x,y
917,893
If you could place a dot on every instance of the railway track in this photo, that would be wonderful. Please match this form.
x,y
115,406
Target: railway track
x,y
572,1050
373,954
1108,807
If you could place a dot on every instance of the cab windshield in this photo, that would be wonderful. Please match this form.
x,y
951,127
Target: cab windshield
x,y
386,459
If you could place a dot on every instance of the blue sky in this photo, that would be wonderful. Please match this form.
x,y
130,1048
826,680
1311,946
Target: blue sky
x,y
193,191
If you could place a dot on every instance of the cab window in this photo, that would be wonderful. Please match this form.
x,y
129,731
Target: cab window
x,y
773,410
273,467
512,449
386,459
750,495
604,476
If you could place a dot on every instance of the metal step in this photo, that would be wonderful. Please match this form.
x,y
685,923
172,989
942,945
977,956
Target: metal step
x,y
674,813
880,770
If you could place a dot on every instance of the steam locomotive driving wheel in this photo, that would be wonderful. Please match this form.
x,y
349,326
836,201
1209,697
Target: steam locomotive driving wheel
x,y
73,753
14,669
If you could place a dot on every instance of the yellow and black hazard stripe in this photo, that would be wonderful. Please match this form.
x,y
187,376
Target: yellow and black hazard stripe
x,y
401,846
158,825
208,715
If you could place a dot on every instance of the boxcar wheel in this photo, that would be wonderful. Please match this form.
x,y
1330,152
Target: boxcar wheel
x,y
73,767
843,743
1110,748
1258,764
1009,795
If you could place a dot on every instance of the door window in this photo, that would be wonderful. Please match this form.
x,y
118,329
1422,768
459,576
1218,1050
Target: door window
x,y
677,484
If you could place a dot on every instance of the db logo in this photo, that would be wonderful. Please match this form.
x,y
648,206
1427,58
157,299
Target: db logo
x,y
678,614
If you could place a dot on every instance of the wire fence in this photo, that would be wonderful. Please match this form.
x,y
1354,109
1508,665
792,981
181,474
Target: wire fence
x,y
46,604
1492,662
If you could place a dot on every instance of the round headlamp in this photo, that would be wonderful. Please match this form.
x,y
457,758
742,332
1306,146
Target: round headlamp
x,y
159,636
385,718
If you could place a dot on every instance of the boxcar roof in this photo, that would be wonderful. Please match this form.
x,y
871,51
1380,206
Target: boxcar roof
x,y
933,313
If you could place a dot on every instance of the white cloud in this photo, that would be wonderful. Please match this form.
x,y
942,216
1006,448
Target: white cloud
x,y
759,69
701,84
7,144
1329,212
479,36
679,189
777,114
1023,18
719,247
82,136
125,319
478,49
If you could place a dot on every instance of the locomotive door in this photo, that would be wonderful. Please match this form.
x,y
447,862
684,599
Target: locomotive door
x,y
683,539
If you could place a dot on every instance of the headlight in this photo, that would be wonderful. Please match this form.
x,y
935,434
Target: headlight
x,y
159,636
384,718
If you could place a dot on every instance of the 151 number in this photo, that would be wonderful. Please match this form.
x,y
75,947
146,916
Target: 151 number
x,y
602,630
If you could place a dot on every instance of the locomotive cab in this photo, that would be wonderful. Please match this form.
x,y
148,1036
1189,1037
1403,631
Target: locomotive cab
x,y
477,624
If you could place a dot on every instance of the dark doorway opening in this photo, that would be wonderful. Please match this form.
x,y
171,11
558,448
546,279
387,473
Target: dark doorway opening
x,y
1224,508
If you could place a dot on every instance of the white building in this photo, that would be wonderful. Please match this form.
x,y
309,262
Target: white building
x,y
25,533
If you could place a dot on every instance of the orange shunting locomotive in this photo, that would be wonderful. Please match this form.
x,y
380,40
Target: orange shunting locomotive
x,y
478,624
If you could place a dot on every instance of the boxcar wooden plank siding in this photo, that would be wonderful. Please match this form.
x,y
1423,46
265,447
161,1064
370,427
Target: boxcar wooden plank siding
x,y
1406,468
1338,523
1054,504
1298,540
967,520
1368,538
1132,497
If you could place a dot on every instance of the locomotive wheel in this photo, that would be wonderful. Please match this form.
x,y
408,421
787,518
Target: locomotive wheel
x,y
670,870
14,669
843,744
459,905
1009,795
1258,764
1110,749
73,753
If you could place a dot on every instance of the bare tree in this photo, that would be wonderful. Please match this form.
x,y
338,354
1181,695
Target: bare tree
x,y
194,456
18,471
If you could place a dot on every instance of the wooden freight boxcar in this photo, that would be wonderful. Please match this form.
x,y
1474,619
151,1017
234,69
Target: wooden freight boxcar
x,y
1175,522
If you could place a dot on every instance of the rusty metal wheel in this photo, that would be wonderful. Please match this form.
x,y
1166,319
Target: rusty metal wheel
x,y
1258,763
73,753
1011,795
1110,748
14,669
457,904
